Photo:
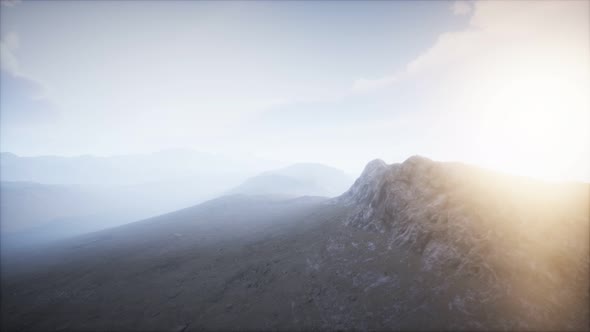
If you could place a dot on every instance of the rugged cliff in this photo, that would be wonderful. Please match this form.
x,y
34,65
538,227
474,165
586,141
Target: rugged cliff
x,y
519,245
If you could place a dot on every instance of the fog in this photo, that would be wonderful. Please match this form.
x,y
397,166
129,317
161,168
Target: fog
x,y
296,82
44,199
294,165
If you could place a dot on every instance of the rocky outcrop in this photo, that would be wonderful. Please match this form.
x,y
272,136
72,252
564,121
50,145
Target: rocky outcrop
x,y
517,244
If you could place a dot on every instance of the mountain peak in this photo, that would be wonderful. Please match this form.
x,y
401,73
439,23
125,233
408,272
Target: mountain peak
x,y
374,164
417,160
464,221
297,179
377,173
363,189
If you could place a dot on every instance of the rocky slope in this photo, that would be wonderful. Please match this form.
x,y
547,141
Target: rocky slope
x,y
523,244
420,245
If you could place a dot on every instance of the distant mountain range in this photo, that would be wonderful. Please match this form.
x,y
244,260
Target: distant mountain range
x,y
297,180
127,169
419,245
34,213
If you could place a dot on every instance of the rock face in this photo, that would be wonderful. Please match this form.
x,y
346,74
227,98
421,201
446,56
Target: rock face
x,y
522,245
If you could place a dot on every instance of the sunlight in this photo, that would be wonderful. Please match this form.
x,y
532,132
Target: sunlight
x,y
537,120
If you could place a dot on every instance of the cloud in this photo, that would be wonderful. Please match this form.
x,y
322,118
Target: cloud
x,y
366,85
8,61
508,29
461,8
10,3
23,97
510,90
20,104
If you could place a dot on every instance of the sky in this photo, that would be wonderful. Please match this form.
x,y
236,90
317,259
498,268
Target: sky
x,y
500,84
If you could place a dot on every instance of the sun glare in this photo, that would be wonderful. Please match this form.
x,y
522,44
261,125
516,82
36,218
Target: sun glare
x,y
537,120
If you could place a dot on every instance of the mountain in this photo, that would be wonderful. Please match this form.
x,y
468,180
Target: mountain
x,y
33,214
48,198
130,169
518,245
420,245
297,180
24,205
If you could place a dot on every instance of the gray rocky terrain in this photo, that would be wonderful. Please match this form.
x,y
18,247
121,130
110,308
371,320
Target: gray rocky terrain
x,y
420,245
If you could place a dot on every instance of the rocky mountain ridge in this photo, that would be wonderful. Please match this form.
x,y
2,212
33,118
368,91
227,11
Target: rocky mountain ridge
x,y
520,240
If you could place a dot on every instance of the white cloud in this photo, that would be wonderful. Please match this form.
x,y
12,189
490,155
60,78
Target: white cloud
x,y
194,82
458,8
366,85
8,61
512,87
26,97
510,28
461,7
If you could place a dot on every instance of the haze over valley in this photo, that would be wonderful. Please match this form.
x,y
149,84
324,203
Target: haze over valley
x,y
79,195
294,165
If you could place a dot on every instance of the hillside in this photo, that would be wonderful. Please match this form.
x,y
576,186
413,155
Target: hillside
x,y
33,214
416,245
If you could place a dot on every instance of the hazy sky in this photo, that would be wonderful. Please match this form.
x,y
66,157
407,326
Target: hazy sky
x,y
500,84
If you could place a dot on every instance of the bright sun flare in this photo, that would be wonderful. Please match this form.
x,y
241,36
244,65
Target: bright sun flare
x,y
537,119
